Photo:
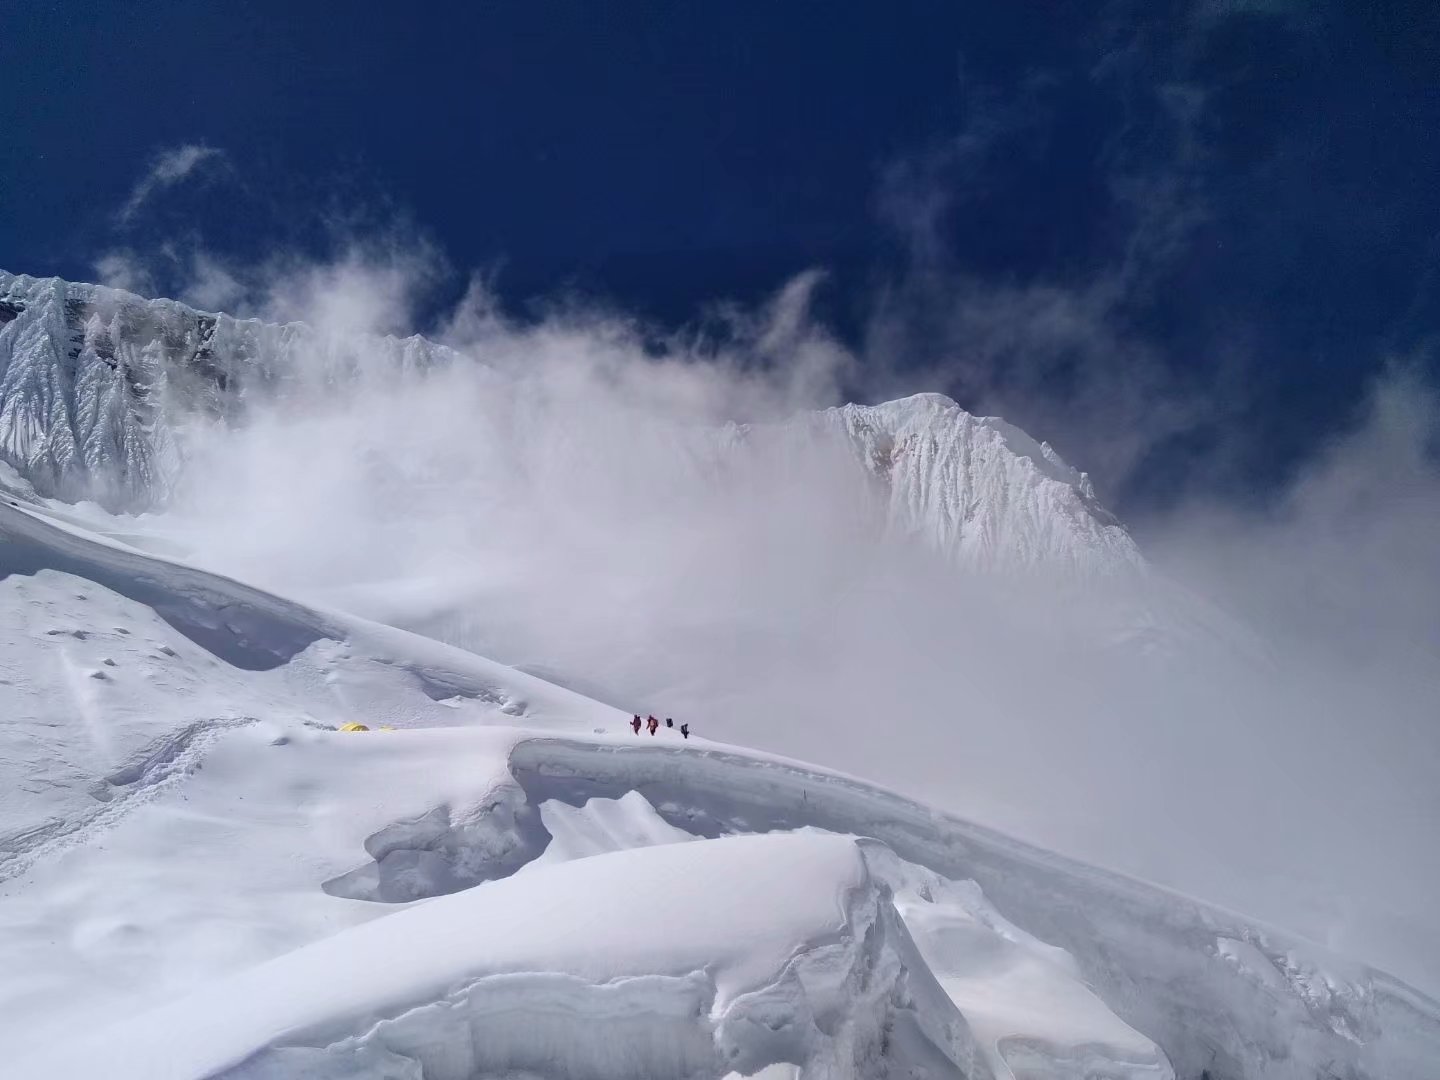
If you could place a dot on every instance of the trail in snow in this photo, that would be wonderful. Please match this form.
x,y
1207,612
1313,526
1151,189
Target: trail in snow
x,y
166,760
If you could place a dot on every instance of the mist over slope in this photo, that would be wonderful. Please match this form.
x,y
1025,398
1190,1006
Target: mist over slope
x,y
200,876
907,591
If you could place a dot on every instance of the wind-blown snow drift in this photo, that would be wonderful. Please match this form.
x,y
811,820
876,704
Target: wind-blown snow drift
x,y
641,963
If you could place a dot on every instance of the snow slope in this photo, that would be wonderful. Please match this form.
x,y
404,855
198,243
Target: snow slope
x,y
201,877
122,664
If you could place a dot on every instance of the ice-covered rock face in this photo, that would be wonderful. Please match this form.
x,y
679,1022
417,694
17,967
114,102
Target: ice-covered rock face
x,y
98,389
976,489
82,375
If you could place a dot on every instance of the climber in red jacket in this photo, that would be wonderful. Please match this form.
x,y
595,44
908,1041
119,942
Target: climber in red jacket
x,y
653,725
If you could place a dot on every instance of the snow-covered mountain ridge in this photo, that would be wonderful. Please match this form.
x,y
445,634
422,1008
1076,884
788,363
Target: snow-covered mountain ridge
x,y
97,384
978,489
98,388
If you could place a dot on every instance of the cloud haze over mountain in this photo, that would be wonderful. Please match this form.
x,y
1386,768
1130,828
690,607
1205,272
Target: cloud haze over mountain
x,y
563,492
1045,428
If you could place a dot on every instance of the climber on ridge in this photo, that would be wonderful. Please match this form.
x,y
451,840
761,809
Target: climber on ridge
x,y
685,730
635,724
669,722
653,725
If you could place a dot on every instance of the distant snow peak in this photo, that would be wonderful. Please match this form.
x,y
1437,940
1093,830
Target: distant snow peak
x,y
982,491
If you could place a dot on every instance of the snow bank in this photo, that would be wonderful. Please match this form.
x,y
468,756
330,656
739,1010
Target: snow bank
x,y
1026,1002
604,825
254,630
1148,954
680,960
222,866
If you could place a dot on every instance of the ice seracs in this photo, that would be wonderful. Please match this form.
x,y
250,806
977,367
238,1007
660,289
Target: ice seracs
x,y
657,963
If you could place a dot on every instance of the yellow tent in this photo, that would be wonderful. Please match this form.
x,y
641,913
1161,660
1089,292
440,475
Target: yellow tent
x,y
352,726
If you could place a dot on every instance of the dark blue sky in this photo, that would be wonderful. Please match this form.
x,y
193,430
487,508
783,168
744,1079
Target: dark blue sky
x,y
1206,223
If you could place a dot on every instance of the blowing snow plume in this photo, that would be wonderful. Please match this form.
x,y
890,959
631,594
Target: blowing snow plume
x,y
1341,574
937,601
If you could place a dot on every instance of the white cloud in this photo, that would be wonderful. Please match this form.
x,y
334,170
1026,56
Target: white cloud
x,y
212,286
123,269
168,168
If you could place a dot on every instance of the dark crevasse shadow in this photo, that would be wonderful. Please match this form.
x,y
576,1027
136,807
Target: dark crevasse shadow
x,y
437,854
